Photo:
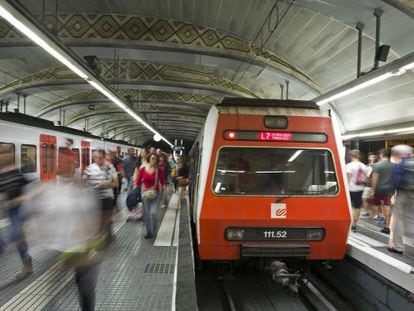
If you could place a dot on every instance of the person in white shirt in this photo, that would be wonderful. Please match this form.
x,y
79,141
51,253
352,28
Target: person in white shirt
x,y
102,177
356,173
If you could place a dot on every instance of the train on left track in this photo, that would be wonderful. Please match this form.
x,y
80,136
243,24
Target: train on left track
x,y
37,144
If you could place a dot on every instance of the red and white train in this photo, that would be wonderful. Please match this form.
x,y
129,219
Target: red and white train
x,y
37,144
269,182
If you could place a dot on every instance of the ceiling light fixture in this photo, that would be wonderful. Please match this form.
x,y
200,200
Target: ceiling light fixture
x,y
377,133
27,28
397,67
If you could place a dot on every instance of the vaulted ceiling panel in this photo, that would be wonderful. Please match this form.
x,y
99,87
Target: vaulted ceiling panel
x,y
183,56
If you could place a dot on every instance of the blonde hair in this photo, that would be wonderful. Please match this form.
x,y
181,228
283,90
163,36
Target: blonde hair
x,y
356,154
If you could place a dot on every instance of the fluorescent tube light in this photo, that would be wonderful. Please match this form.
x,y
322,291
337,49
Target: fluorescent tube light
x,y
39,41
396,67
378,133
124,107
355,88
58,54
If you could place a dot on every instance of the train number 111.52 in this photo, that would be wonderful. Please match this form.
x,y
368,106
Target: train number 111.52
x,y
278,234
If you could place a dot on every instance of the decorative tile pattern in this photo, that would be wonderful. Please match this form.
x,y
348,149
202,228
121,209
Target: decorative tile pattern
x,y
128,29
132,72
135,95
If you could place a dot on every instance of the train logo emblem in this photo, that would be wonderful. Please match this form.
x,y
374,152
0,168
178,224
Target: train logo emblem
x,y
278,210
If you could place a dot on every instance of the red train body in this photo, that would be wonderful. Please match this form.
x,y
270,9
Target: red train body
x,y
270,183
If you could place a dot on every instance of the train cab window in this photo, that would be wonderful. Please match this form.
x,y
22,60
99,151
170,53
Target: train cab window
x,y
6,148
28,159
275,171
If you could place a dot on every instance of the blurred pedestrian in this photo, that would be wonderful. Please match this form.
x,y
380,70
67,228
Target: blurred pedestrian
x,y
11,198
102,177
356,173
68,215
183,174
128,167
381,187
366,194
402,224
165,166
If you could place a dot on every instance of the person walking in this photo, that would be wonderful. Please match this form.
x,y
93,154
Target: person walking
x,y
103,177
356,173
11,193
381,187
151,176
402,226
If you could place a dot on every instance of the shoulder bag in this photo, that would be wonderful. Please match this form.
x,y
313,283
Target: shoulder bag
x,y
151,193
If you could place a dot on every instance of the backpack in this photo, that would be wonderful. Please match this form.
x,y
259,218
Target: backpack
x,y
361,178
407,177
133,197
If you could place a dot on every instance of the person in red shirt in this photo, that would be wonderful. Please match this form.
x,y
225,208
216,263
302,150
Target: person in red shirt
x,y
67,159
151,176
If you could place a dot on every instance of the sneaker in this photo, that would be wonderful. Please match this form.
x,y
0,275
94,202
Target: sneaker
x,y
393,250
148,236
386,230
376,217
365,215
354,228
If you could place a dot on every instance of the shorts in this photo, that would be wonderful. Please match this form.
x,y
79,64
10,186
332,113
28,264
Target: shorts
x,y
381,199
107,204
366,194
356,199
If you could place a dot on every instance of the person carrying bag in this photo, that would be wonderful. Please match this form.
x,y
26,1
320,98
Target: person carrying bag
x,y
151,193
151,176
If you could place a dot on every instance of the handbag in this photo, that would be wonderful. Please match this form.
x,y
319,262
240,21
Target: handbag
x,y
151,193
182,182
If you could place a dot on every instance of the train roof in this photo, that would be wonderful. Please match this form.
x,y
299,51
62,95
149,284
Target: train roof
x,y
45,124
254,102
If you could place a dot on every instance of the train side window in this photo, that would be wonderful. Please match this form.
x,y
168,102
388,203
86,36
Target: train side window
x,y
7,147
52,158
93,151
28,159
76,151
44,158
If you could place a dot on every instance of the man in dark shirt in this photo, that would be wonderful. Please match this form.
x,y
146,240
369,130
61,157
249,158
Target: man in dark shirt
x,y
11,184
129,167
381,186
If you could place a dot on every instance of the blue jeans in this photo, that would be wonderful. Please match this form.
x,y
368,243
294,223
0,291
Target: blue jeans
x,y
150,213
15,232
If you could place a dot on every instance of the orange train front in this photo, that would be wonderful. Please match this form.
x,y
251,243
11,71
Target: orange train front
x,y
269,182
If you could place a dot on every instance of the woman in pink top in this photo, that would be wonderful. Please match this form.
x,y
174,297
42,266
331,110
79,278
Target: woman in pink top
x,y
146,176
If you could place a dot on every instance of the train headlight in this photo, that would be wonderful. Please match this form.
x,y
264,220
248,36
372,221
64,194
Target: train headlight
x,y
316,234
234,234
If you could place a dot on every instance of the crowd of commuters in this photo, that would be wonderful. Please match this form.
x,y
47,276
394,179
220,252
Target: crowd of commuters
x,y
385,189
74,217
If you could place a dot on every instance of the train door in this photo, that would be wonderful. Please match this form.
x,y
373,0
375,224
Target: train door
x,y
85,154
47,157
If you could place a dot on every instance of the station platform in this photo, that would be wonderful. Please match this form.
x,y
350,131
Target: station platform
x,y
369,246
134,274
157,274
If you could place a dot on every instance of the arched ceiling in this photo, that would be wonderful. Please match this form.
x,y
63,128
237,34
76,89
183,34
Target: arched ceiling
x,y
172,59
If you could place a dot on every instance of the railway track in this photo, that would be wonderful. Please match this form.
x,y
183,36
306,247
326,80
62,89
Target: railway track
x,y
254,290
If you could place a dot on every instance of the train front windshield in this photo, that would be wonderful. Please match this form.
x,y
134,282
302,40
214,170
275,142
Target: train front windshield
x,y
275,171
